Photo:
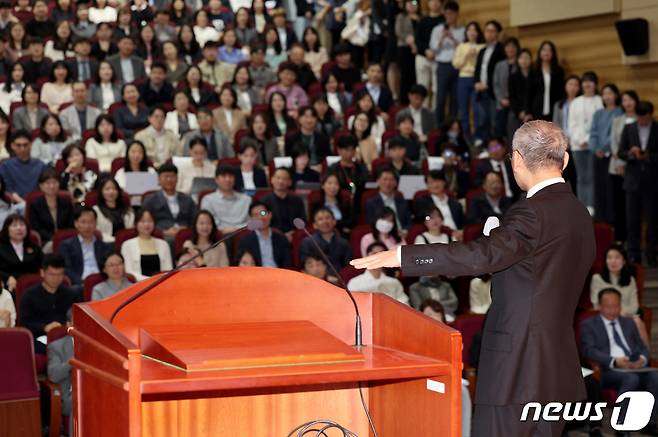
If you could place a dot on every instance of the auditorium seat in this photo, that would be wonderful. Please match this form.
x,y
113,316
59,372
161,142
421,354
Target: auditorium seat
x,y
472,232
54,392
469,325
604,234
355,239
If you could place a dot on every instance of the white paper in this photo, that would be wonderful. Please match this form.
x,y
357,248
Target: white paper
x,y
436,386
139,182
410,184
331,160
181,161
282,161
435,162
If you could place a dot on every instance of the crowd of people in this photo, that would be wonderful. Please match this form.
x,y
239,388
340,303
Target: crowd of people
x,y
270,100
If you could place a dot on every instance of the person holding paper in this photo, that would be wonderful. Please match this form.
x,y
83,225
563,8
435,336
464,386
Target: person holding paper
x,y
540,257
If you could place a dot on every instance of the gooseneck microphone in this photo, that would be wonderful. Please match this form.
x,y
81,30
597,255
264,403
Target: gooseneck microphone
x,y
358,336
252,225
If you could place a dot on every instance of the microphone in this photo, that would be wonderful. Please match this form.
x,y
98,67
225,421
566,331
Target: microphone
x,y
358,336
251,225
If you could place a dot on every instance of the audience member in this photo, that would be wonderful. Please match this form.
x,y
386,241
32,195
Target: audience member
x,y
434,232
377,281
335,247
384,230
314,265
250,175
247,95
268,247
423,119
113,213
492,202
114,272
464,60
104,91
161,144
180,120
132,116
135,160
51,141
105,146
28,117
228,117
204,235
7,309
156,90
435,288
387,196
219,146
229,208
331,197
285,207
76,178
301,168
19,254
438,197
498,162
479,294
36,65
352,174
198,167
546,82
82,66
20,172
79,116
502,72
50,212
146,255
126,65
485,99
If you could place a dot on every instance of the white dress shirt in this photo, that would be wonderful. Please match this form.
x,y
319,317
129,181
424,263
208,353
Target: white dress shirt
x,y
444,207
486,57
546,109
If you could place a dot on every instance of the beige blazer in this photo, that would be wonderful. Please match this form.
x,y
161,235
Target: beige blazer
x,y
171,141
238,122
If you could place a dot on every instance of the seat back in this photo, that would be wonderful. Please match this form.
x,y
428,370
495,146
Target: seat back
x,y
604,235
18,370
355,239
471,232
468,325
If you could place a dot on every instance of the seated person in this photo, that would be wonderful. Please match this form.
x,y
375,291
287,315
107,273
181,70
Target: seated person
x,y
387,184
384,230
7,308
171,210
416,151
112,212
315,266
250,176
617,274
219,146
204,235
330,197
59,354
302,171
135,160
346,73
83,253
498,163
316,142
80,116
246,259
377,88
613,342
229,208
76,178
161,144
435,288
156,90
114,272
352,175
269,248
133,115
455,170
490,203
397,152
51,141
229,118
44,306
479,294
105,146
285,206
189,260
50,212
180,120
20,172
146,255
335,247
424,119
434,232
451,209
295,95
19,255
376,280
198,167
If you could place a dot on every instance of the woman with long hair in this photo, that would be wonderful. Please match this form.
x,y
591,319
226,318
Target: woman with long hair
x,y
105,146
136,160
260,136
384,230
18,254
145,254
112,211
76,178
330,197
51,141
546,82
228,117
12,89
133,115
244,28
465,60
243,86
148,46
16,41
337,99
200,93
60,47
50,212
29,116
58,89
104,91
204,31
274,53
260,17
204,235
364,103
251,175
314,54
229,48
519,93
180,120
179,14
366,151
4,137
176,67
188,46
277,113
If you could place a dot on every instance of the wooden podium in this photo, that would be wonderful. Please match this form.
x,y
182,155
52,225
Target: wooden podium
x,y
257,352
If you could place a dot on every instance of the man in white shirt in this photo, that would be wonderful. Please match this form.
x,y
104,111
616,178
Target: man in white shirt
x,y
451,209
443,42
377,281
379,92
230,208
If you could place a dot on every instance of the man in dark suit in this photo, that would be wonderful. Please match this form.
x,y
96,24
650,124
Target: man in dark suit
x,y
387,184
485,100
613,342
437,196
285,206
305,75
498,163
172,210
269,248
41,219
490,203
379,92
338,250
540,257
36,66
638,146
82,66
127,67
156,90
317,142
83,252
424,119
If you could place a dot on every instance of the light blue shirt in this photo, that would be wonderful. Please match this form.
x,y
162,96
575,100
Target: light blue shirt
x,y
90,266
266,250
374,91
127,70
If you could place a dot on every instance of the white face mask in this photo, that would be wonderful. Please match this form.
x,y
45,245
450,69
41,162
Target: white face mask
x,y
383,226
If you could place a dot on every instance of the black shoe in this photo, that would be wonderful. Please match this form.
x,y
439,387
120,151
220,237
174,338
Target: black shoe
x,y
595,433
622,434
651,429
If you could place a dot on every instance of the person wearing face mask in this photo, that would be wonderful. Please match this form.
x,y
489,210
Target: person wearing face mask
x,y
377,281
387,183
384,230
498,163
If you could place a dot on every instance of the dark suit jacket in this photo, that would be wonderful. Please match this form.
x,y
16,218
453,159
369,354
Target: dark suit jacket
x,y
138,67
283,216
280,248
485,167
157,204
480,209
596,345
10,265
427,119
73,64
385,100
640,174
320,143
375,204
305,76
338,250
536,97
260,179
71,250
35,70
424,203
152,97
539,260
497,55
42,222
519,93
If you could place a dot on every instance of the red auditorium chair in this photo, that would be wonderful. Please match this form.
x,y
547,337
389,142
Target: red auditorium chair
x,y
469,325
55,394
96,278
472,232
604,235
19,390
355,239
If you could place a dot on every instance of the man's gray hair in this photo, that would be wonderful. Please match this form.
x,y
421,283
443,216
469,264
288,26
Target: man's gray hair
x,y
542,145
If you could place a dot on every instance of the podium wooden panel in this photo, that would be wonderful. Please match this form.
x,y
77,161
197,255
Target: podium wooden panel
x,y
258,352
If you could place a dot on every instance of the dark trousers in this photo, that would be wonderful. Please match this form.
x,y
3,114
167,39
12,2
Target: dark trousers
x,y
618,206
594,395
407,64
446,84
602,190
502,115
504,421
639,204
485,115
624,382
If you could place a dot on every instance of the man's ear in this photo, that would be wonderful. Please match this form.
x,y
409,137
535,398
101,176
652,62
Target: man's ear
x,y
566,160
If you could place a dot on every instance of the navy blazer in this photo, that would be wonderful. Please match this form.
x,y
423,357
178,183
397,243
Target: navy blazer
x,y
42,222
596,344
280,248
424,203
71,250
480,209
376,203
260,179
157,204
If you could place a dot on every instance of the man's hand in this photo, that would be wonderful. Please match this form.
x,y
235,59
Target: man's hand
x,y
640,363
622,363
504,103
479,86
388,258
635,151
52,325
172,231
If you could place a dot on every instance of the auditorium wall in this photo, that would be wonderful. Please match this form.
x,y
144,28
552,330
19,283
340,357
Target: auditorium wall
x,y
588,43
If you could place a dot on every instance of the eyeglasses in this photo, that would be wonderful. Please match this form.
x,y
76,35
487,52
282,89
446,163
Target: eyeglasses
x,y
511,154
